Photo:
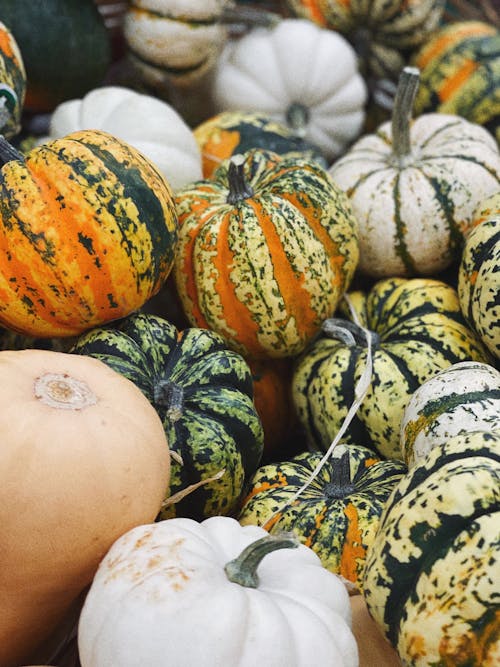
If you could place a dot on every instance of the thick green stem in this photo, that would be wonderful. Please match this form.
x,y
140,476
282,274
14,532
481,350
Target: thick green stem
x,y
341,485
8,153
402,113
242,570
239,188
348,332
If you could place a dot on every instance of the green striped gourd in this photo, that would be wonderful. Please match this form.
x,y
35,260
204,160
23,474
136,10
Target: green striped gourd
x,y
463,397
88,232
478,282
336,515
432,571
12,83
416,330
460,73
414,187
267,248
203,394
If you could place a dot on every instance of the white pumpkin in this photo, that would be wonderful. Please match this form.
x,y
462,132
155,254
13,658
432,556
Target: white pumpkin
x,y
462,398
147,123
300,74
171,593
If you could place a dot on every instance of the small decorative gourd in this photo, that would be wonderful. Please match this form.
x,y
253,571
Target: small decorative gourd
x,y
214,593
267,248
414,187
302,75
12,83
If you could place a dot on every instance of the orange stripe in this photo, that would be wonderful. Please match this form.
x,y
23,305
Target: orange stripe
x,y
453,84
448,38
353,550
6,45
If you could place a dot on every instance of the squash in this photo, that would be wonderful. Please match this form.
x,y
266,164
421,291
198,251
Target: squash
x,y
88,232
232,132
414,187
213,594
478,274
202,392
84,458
12,84
415,329
432,572
462,398
301,75
381,32
460,73
266,249
148,124
65,48
336,515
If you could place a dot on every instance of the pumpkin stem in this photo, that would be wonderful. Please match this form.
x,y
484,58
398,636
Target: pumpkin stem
x,y
243,569
349,333
341,484
297,118
401,114
249,17
170,395
239,188
8,153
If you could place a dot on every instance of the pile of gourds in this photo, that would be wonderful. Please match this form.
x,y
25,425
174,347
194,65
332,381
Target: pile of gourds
x,y
250,333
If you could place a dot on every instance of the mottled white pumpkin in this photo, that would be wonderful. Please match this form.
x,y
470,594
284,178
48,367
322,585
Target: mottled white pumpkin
x,y
300,74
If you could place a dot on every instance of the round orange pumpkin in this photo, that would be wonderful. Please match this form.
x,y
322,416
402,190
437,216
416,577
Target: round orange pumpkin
x,y
83,459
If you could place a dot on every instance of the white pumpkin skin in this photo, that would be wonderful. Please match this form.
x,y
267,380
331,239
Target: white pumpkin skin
x,y
460,399
147,123
161,597
296,65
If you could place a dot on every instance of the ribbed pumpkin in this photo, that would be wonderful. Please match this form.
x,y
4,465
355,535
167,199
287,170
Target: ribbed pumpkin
x,y
12,83
336,515
381,31
460,73
88,232
231,132
478,284
267,248
414,187
203,394
416,330
432,571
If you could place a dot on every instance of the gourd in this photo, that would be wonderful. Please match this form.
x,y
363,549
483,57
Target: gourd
x,y
65,48
286,71
336,515
414,328
460,73
232,132
84,458
414,187
202,392
88,232
432,572
212,593
145,122
478,274
12,84
266,249
462,398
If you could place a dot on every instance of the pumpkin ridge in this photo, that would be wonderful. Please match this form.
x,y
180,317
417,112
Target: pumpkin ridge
x,y
400,246
166,14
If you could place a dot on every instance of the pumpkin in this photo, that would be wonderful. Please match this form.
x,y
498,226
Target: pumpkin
x,y
462,398
381,32
147,123
478,287
212,593
232,132
335,513
287,71
414,187
460,73
202,392
65,48
12,84
84,458
266,249
10,340
88,231
432,572
415,329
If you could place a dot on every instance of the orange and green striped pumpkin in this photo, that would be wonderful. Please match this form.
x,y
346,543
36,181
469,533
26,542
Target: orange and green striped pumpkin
x,y
460,73
337,514
12,83
88,232
267,248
